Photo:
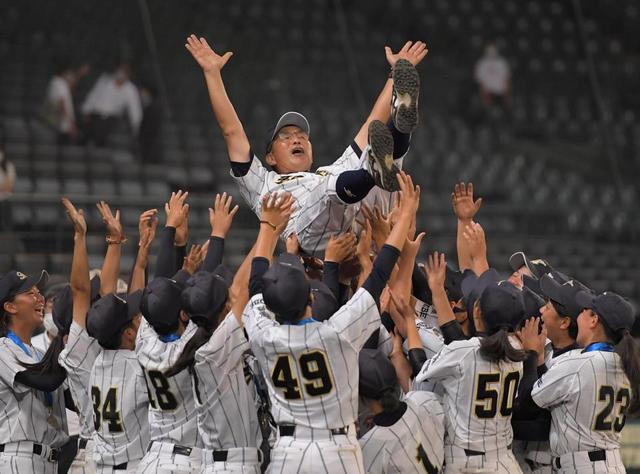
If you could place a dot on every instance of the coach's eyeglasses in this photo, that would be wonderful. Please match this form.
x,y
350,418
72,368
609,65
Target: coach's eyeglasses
x,y
286,136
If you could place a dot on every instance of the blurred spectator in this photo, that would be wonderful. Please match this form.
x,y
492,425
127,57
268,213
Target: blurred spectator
x,y
112,95
58,108
493,75
151,123
7,183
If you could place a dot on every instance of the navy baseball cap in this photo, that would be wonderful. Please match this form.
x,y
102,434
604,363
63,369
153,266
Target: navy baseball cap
x,y
472,287
161,305
501,305
562,294
325,303
62,311
377,373
14,282
286,288
453,283
203,298
532,303
615,311
110,314
537,267
288,119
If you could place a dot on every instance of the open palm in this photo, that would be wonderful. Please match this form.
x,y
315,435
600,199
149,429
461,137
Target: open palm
x,y
206,57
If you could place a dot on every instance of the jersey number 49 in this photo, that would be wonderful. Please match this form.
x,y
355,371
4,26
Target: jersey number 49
x,y
314,369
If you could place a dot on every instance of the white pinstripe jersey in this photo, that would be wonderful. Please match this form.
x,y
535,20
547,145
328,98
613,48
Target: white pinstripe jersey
x,y
120,408
312,369
414,443
23,410
227,416
478,395
172,411
587,394
432,342
259,181
77,358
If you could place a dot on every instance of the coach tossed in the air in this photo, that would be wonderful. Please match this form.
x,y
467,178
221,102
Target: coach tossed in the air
x,y
327,200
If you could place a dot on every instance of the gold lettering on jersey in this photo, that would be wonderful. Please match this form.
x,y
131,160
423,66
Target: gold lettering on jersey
x,y
322,173
288,177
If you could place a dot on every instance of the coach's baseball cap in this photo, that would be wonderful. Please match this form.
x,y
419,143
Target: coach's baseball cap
x,y
14,282
204,296
537,267
287,119
453,283
532,302
562,294
62,311
472,287
615,311
502,305
377,373
160,304
110,314
325,303
286,288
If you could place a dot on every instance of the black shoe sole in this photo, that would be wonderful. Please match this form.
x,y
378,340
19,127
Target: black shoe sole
x,y
406,87
380,156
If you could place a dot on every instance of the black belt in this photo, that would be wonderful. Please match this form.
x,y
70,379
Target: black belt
x,y
598,455
82,443
220,456
290,430
37,449
120,467
471,452
182,450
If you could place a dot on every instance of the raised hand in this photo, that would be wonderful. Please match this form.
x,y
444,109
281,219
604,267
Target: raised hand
x,y
412,247
363,249
193,259
76,216
111,222
340,248
379,223
147,225
476,241
409,195
464,206
276,210
436,266
221,215
208,60
412,52
176,209
531,337
292,244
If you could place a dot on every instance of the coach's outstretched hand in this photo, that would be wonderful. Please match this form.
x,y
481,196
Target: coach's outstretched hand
x,y
221,215
208,60
412,52
464,206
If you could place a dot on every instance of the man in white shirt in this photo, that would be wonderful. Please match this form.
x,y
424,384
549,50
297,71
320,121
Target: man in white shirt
x,y
493,75
111,96
58,107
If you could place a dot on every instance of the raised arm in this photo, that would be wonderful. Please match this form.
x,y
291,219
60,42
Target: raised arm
x,y
79,279
147,226
220,218
115,239
412,52
239,291
339,249
473,234
436,273
211,63
465,209
176,211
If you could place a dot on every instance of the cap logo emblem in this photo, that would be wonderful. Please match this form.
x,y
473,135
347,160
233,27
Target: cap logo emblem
x,y
21,275
570,283
539,262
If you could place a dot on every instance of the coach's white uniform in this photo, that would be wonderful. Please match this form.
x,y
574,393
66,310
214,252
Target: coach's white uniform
x,y
413,444
25,418
319,212
478,401
77,358
312,374
173,427
120,411
227,416
587,394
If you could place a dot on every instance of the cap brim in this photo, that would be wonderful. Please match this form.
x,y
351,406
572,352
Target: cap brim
x,y
551,289
532,284
291,119
518,260
39,281
585,300
291,260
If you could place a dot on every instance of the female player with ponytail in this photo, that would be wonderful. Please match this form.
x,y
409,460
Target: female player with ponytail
x,y
479,377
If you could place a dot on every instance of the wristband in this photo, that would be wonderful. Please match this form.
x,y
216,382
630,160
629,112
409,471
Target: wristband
x,y
114,241
269,224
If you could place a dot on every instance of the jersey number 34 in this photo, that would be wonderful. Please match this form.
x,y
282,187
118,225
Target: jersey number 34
x,y
314,369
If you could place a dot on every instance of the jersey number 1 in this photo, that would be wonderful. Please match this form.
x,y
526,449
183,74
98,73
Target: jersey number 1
x,y
107,411
314,369
422,458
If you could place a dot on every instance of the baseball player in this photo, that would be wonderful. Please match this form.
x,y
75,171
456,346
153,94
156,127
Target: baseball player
x,y
310,366
117,384
326,200
162,336
408,435
480,378
589,393
32,409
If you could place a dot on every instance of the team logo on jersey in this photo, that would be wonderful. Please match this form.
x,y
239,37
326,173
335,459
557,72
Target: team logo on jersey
x,y
288,177
322,173
21,275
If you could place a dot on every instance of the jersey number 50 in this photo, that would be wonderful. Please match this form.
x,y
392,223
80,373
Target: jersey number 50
x,y
487,397
314,369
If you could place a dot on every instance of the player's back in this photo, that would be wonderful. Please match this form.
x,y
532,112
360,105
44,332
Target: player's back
x,y
588,395
478,395
172,415
413,443
120,406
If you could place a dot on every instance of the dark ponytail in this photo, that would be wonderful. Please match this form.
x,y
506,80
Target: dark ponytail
x,y
49,362
629,351
4,323
186,359
498,347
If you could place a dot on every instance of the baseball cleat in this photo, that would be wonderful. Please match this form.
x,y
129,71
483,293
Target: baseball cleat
x,y
404,101
382,168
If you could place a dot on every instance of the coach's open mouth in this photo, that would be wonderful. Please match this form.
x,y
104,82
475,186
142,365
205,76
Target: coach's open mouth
x,y
297,151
